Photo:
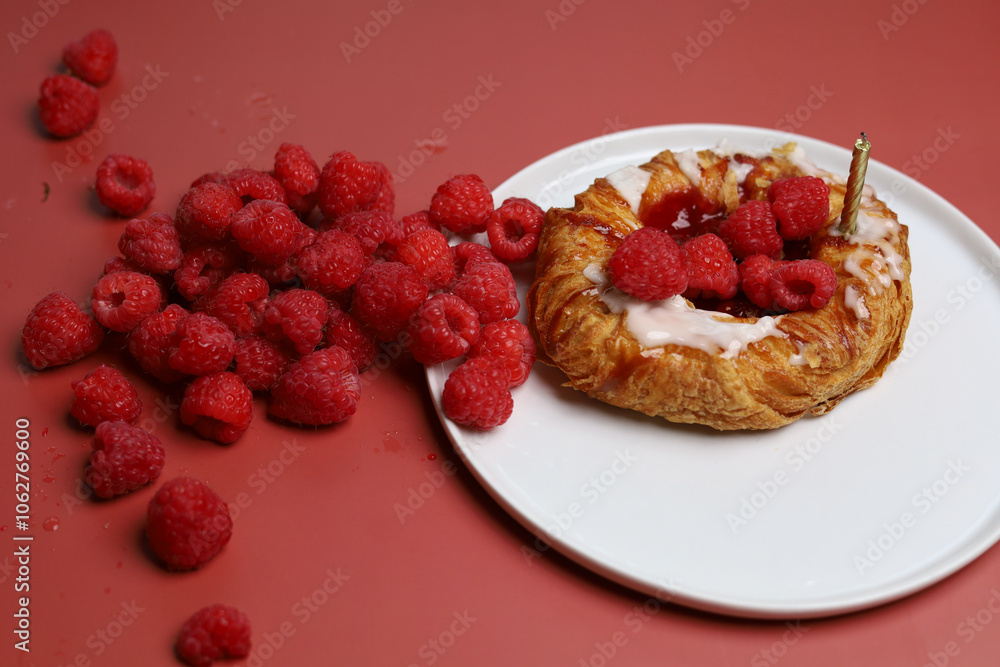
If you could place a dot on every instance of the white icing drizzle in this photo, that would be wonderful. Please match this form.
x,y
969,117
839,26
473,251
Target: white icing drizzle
x,y
875,237
689,164
741,169
856,302
595,274
799,358
726,149
798,158
630,182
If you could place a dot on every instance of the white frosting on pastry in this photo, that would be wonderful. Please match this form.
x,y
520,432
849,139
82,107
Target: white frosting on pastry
x,y
741,169
689,164
856,302
630,182
799,358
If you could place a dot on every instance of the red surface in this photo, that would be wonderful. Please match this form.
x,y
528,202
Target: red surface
x,y
460,87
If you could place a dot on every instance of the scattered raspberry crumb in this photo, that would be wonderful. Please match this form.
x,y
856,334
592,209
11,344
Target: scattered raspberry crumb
x,y
187,524
58,332
104,394
125,184
443,328
152,243
214,632
462,204
649,265
121,300
513,229
321,388
510,342
125,458
93,57
67,105
218,406
477,394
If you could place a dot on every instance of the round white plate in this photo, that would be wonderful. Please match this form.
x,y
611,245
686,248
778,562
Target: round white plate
x,y
892,491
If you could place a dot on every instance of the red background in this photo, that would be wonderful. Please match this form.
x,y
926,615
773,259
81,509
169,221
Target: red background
x,y
199,82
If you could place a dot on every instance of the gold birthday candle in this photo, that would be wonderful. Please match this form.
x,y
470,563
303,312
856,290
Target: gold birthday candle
x,y
855,183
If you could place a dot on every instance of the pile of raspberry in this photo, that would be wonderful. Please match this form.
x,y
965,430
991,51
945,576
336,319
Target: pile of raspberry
x,y
68,103
745,256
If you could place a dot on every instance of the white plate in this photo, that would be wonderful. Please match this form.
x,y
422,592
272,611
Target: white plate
x,y
892,491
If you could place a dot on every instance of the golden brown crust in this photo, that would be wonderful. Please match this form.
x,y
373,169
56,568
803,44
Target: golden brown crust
x,y
841,348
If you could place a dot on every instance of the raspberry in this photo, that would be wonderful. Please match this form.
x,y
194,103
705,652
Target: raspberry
x,y
649,265
115,264
489,288
371,228
204,345
477,394
511,343
802,284
58,332
214,632
251,185
67,105
92,57
103,395
209,177
206,211
125,458
204,266
150,343
752,230
801,205
712,273
239,302
321,388
218,406
466,253
152,243
342,330
259,362
297,316
331,263
267,230
443,328
513,229
462,204
348,185
187,523
125,184
755,280
428,252
416,221
386,295
121,300
298,174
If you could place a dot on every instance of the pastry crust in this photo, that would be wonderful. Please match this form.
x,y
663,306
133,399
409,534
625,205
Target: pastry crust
x,y
812,360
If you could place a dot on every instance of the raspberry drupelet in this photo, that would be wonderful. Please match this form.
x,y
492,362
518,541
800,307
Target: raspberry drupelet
x,y
202,345
104,394
462,204
321,388
124,458
752,229
218,406
489,288
125,184
206,211
510,342
477,394
121,300
349,185
386,295
443,328
151,342
57,331
152,243
649,265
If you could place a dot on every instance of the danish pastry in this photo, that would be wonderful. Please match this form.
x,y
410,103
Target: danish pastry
x,y
691,362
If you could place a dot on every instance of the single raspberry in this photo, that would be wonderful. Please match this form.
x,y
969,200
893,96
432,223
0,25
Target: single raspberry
x,y
712,272
649,265
755,280
239,302
121,300
462,204
125,458
58,332
125,184
204,266
511,343
443,328
466,253
218,406
259,362
331,263
298,174
93,57
752,229
344,331
372,228
477,394
428,252
187,523
67,105
152,243
416,221
206,211
513,229
252,184
802,284
348,185
322,387
386,295
296,316
115,264
214,632
151,342
489,288
203,345
104,394
801,205
267,230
